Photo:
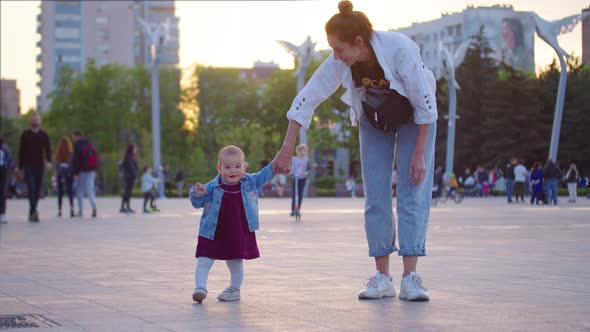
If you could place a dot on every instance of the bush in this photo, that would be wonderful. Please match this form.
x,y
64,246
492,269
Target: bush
x,y
327,182
322,192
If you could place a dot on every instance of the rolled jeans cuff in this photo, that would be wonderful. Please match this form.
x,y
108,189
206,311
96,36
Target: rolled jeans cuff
x,y
412,252
382,252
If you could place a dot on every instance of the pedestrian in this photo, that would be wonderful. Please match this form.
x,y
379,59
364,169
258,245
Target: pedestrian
x,y
129,170
351,186
510,176
179,177
392,95
279,181
572,176
149,186
84,165
229,220
6,164
63,168
520,174
536,182
35,148
551,176
300,171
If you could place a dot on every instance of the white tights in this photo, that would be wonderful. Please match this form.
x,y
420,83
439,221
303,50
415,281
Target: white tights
x,y
204,264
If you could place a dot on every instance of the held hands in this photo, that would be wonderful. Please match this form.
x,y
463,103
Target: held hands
x,y
282,161
200,189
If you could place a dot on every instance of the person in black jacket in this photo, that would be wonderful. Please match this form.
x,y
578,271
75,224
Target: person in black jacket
x,y
129,168
34,149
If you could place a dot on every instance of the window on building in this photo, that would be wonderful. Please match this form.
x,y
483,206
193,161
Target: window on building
x,y
70,58
459,26
67,33
103,49
101,61
450,30
102,20
67,45
103,34
67,17
101,7
71,3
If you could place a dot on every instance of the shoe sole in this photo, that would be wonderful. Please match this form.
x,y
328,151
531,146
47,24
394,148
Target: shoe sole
x,y
364,297
420,298
226,300
199,297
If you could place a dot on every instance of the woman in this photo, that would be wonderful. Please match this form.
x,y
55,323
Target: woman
x,y
129,167
536,182
572,182
392,95
63,168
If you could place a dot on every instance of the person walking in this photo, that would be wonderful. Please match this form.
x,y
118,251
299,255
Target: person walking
x,y
392,97
520,174
63,167
536,182
84,165
551,176
572,176
129,168
34,150
510,177
6,164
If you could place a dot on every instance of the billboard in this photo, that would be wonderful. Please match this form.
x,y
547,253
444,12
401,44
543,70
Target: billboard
x,y
511,35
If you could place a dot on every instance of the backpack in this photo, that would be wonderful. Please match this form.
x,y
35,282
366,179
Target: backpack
x,y
89,157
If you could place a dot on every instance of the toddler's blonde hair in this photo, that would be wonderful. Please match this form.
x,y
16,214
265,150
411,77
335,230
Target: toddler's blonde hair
x,y
228,151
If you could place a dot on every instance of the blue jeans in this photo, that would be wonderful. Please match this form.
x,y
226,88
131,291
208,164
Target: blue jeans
x,y
509,189
551,191
85,185
413,202
34,178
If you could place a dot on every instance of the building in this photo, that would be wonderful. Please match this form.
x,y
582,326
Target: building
x,y
9,99
73,32
586,36
510,33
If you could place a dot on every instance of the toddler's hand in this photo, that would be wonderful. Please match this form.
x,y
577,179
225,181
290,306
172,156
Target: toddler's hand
x,y
200,189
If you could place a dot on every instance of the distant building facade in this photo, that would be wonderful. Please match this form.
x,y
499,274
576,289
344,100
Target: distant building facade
x,y
73,32
9,99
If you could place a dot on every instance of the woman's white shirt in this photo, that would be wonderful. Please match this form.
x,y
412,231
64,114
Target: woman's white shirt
x,y
398,56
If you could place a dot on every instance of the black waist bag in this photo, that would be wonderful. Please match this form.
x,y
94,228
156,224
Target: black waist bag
x,y
386,110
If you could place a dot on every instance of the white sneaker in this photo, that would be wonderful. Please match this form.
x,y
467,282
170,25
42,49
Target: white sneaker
x,y
378,286
229,294
199,294
412,290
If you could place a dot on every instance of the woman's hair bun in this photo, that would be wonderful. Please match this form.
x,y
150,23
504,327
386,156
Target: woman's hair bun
x,y
345,7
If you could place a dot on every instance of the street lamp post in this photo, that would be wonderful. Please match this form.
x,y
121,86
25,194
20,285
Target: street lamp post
x,y
156,38
548,31
446,68
303,55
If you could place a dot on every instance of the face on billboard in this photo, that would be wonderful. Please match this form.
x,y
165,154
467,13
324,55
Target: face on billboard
x,y
510,34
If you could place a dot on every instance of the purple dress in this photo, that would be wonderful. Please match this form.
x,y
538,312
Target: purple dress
x,y
233,239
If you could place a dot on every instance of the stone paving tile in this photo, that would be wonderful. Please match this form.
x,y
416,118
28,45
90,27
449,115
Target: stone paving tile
x,y
490,267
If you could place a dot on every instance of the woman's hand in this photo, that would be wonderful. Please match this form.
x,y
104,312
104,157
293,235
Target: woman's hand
x,y
417,168
282,161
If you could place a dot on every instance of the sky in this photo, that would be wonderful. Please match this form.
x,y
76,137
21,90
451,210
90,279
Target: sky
x,y
238,33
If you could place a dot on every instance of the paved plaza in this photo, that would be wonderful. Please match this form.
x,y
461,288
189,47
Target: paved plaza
x,y
490,267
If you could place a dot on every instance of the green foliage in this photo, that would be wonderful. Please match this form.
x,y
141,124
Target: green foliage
x,y
327,182
504,112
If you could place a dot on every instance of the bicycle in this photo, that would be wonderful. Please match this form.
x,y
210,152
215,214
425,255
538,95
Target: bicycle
x,y
457,196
